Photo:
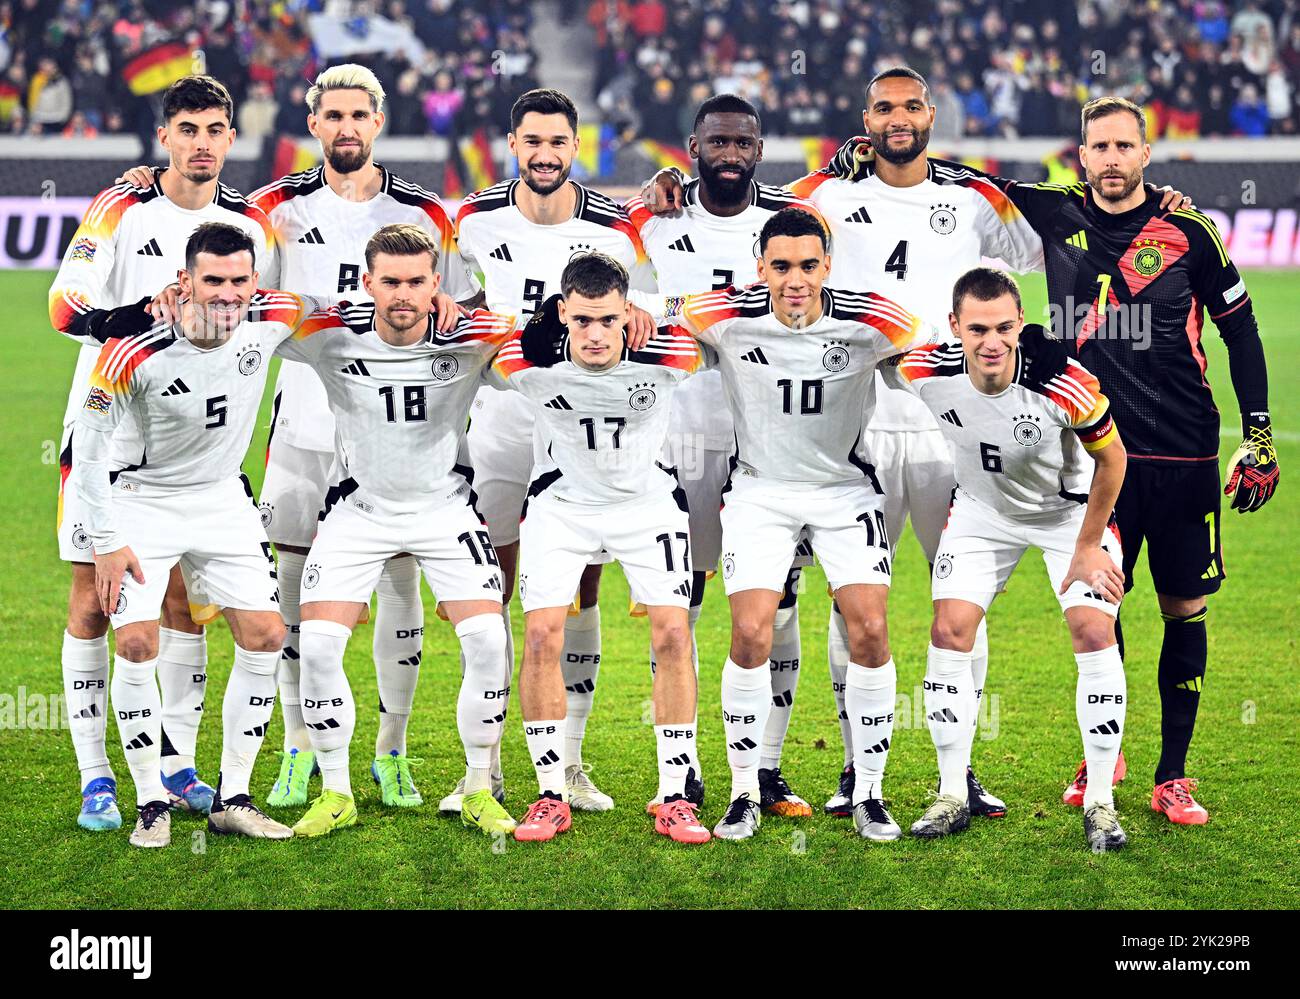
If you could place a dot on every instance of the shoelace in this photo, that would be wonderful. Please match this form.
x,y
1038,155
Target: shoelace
x,y
875,809
1182,790
1105,818
973,783
682,812
151,810
541,810
779,782
736,813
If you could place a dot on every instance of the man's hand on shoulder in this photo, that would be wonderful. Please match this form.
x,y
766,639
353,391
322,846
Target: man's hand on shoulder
x,y
664,194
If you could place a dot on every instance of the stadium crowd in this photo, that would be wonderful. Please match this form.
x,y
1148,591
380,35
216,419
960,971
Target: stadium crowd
x,y
998,67
452,66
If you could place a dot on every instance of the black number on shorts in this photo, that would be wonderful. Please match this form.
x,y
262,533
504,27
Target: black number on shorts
x,y
667,541
897,262
216,412
991,457
489,554
534,293
810,396
722,278
618,423
349,277
877,534
414,407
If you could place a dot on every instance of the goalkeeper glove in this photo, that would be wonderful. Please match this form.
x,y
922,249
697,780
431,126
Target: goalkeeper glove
x,y
544,337
126,320
1252,470
853,160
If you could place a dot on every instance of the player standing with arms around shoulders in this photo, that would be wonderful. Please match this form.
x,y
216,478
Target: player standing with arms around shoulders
x,y
130,243
192,389
604,412
1019,413
519,235
1131,283
401,393
712,242
797,363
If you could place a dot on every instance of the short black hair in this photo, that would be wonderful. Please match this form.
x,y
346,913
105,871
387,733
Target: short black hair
x,y
217,238
792,222
726,104
197,93
593,275
984,284
543,100
905,72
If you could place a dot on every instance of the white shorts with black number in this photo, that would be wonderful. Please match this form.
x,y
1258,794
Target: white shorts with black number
x,y
649,536
702,472
214,532
914,467
980,548
763,519
358,535
501,452
293,492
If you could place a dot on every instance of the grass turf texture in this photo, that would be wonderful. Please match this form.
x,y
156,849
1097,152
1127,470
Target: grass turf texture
x,y
1246,739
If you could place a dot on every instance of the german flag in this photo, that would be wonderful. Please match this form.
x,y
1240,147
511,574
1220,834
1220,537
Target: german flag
x,y
664,155
158,68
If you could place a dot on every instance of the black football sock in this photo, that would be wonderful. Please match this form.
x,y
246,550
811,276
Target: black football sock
x,y
1182,671
1119,634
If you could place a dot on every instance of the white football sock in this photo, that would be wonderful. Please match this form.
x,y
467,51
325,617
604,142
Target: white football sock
x,y
837,654
1099,705
398,648
85,691
949,704
546,747
289,577
676,746
783,662
979,669
580,664
480,708
869,699
328,709
183,682
506,685
246,715
137,706
746,701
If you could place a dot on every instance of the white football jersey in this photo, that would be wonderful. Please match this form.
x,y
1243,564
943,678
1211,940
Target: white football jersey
x,y
521,262
911,244
604,430
194,408
130,245
322,241
1020,451
400,412
700,251
799,397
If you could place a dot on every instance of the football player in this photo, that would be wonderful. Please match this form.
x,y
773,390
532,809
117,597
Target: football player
x,y
130,243
1020,415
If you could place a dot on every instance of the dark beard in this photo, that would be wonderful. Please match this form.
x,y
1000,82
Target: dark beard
x,y
544,191
921,140
347,160
725,192
1130,185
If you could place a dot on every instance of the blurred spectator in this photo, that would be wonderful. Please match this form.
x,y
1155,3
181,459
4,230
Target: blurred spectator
x,y
255,116
1249,113
442,103
49,97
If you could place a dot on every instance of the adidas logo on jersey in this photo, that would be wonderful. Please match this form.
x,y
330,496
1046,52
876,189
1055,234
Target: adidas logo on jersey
x,y
559,402
356,368
756,356
150,249
684,244
313,237
1079,240
859,216
178,387
952,417
502,252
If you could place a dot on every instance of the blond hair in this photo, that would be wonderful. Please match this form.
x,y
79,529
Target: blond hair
x,y
1101,107
401,239
347,76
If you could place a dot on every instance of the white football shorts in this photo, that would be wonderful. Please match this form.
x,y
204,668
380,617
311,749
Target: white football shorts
x,y
293,492
980,548
915,469
763,520
501,452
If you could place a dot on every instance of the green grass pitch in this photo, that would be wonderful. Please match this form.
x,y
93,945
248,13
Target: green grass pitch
x,y
1245,746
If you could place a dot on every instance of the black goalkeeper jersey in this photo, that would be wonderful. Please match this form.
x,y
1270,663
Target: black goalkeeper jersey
x,y
1128,294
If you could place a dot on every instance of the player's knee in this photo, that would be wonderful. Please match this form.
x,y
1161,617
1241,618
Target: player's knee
x,y
175,614
868,638
672,643
953,634
85,619
1180,606
751,639
1093,633
136,647
263,636
543,641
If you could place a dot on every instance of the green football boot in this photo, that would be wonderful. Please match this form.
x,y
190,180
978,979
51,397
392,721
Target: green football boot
x,y
393,775
296,769
480,810
331,811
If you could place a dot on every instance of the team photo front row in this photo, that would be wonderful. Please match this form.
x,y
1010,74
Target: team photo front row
x,y
1038,457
